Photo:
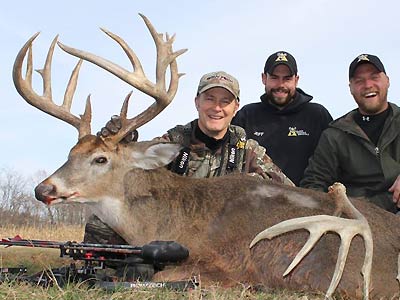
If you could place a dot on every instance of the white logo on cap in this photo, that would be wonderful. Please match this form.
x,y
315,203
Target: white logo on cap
x,y
281,57
363,57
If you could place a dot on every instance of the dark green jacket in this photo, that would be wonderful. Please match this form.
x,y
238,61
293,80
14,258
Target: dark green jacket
x,y
345,154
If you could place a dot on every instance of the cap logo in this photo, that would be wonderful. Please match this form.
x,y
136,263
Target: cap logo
x,y
281,56
219,77
362,57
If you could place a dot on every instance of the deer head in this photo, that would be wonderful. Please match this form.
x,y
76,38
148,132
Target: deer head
x,y
98,159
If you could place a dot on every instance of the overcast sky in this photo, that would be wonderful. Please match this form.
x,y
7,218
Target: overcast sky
x,y
235,36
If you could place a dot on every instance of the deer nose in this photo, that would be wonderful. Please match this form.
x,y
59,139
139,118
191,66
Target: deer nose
x,y
42,192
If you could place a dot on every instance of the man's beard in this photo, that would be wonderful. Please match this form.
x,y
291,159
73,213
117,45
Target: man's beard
x,y
373,108
279,101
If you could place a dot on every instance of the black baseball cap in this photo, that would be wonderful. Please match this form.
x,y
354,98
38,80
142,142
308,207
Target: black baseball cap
x,y
365,58
280,58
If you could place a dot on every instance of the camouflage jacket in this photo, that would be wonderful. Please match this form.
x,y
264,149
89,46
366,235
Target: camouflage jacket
x,y
237,155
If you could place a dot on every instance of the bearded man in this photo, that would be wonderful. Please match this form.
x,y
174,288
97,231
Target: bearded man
x,y
285,122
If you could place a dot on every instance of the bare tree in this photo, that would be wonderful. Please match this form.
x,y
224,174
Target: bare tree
x,y
13,188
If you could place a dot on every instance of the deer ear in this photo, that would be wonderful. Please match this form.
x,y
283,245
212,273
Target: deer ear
x,y
158,155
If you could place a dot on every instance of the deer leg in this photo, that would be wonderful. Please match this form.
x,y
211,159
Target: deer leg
x,y
318,225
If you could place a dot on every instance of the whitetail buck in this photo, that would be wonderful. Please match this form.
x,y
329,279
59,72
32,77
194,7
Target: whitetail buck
x,y
221,220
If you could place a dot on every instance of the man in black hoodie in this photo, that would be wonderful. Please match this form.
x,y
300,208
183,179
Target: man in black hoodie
x,y
284,122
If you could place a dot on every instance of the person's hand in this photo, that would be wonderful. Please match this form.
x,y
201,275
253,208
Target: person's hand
x,y
113,126
395,189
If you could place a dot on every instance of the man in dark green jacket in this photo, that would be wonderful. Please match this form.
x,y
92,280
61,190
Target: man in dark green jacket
x,y
362,148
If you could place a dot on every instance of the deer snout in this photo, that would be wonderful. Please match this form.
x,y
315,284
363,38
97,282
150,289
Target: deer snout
x,y
43,192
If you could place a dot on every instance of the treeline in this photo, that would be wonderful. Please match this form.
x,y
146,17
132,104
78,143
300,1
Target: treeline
x,y
18,205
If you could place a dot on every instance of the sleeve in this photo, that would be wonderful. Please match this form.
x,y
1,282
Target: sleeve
x,y
326,117
323,167
257,162
164,138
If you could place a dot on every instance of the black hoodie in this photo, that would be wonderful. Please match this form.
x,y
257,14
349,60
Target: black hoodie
x,y
290,135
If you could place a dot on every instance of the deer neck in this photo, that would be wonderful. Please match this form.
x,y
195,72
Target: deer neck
x,y
154,193
149,195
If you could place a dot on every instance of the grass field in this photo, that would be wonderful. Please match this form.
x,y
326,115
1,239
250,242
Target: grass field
x,y
39,259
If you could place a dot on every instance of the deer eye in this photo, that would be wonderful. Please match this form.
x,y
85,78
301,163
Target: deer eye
x,y
100,160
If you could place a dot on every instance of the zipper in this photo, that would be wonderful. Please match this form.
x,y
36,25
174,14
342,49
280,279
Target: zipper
x,y
377,150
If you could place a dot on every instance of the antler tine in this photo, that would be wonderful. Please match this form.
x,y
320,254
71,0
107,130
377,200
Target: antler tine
x,y
45,102
124,109
86,118
318,225
165,58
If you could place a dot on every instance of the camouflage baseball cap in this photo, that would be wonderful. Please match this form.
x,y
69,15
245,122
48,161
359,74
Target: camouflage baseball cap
x,y
219,79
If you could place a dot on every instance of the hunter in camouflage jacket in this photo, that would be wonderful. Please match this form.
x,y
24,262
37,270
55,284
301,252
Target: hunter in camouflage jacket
x,y
235,154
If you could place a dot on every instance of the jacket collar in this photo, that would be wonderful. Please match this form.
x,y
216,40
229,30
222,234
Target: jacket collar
x,y
300,98
347,124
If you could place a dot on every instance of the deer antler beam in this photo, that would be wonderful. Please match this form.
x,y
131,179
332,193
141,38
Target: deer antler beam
x,y
45,102
137,78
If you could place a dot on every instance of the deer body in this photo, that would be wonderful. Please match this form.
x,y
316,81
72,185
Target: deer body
x,y
217,218
218,224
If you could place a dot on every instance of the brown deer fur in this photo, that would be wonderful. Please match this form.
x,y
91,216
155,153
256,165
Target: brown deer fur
x,y
217,219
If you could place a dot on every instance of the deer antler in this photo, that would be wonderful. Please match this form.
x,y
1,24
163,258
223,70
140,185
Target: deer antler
x,y
318,225
165,57
45,102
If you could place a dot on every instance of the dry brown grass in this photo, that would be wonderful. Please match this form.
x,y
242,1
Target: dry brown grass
x,y
81,293
55,232
36,259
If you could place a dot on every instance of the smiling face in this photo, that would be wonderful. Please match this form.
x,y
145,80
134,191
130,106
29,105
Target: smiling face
x,y
217,107
369,88
280,86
